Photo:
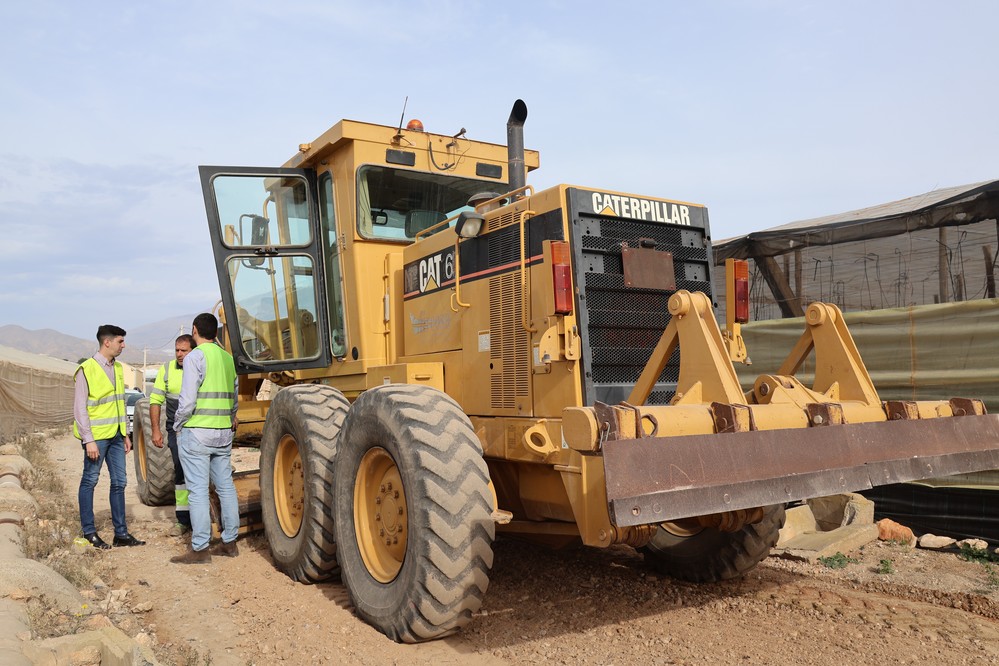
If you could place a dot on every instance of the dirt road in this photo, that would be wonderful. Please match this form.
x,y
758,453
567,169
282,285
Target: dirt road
x,y
573,607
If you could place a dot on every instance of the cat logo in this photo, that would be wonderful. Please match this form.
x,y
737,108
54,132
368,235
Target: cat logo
x,y
435,270
649,210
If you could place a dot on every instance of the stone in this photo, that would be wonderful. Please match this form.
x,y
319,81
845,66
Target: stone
x,y
34,579
889,530
18,500
9,450
974,544
14,464
934,542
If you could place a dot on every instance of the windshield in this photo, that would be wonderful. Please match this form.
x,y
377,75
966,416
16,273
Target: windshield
x,y
397,204
132,398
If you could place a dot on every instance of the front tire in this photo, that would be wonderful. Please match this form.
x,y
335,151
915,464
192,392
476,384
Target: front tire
x,y
154,474
413,513
710,555
296,474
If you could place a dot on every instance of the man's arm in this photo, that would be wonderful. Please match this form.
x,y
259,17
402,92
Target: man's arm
x,y
156,398
194,375
80,392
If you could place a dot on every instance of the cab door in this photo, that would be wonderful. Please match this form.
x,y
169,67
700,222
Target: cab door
x,y
264,225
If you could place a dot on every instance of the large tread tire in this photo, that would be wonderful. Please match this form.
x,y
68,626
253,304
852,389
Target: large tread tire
x,y
712,555
303,422
443,568
154,477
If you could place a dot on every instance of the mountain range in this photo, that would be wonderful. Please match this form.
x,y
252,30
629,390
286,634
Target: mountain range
x,y
152,343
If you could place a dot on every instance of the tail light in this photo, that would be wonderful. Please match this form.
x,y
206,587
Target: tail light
x,y
741,291
561,277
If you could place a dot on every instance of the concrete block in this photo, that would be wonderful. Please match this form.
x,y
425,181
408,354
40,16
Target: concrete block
x,y
813,545
844,509
22,577
10,542
17,500
797,520
15,464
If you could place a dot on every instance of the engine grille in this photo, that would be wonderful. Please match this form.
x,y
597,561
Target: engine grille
x,y
621,325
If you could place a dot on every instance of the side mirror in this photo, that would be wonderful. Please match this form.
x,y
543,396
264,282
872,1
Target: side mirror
x,y
259,237
379,217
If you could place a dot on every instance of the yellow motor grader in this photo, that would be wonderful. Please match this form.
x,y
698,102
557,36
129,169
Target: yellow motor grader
x,y
544,364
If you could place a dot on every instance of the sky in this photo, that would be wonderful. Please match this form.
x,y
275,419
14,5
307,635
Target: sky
x,y
767,112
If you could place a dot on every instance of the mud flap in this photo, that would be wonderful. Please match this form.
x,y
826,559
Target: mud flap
x,y
656,479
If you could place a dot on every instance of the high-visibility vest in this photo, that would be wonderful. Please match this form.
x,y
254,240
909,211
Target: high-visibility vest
x,y
213,408
105,403
166,389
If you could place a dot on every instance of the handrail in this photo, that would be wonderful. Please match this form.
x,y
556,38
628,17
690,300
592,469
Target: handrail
x,y
456,292
524,216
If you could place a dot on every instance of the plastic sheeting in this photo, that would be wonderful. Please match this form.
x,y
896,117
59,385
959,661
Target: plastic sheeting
x,y
927,352
35,392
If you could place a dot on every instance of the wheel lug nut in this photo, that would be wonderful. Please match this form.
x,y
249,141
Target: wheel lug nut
x,y
378,500
400,510
378,517
396,495
383,487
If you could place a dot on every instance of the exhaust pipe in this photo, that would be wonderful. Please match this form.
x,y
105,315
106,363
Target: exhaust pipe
x,y
515,145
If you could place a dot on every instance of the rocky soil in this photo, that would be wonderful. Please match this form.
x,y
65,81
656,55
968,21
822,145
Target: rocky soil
x,y
891,604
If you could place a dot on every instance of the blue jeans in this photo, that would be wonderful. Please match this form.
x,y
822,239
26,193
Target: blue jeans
x,y
113,451
201,465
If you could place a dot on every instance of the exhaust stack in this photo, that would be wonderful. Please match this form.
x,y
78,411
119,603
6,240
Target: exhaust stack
x,y
515,145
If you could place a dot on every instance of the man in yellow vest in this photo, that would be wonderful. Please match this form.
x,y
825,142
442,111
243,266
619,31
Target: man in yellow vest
x,y
166,390
101,425
205,421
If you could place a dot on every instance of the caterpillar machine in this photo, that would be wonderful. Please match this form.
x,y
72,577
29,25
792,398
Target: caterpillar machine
x,y
546,365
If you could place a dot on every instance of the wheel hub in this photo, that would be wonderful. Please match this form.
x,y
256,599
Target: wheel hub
x,y
289,486
380,515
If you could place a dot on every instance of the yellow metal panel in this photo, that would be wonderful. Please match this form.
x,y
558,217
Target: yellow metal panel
x,y
426,374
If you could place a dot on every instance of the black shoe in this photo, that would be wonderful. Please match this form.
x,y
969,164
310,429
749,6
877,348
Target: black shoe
x,y
96,541
127,540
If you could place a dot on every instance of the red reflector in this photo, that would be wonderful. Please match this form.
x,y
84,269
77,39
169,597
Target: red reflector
x,y
561,277
741,300
563,289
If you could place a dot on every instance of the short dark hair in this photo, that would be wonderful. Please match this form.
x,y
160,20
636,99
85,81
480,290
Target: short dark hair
x,y
189,339
207,325
108,331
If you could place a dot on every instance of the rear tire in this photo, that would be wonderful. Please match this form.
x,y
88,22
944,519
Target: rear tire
x,y
296,474
432,577
154,478
711,555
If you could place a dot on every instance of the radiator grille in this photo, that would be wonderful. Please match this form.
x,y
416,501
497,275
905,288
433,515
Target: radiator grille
x,y
621,325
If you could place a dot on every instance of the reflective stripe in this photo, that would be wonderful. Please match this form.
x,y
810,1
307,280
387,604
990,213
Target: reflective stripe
x,y
157,391
212,395
211,412
173,396
103,401
113,419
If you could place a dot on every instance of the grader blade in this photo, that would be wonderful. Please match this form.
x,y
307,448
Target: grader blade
x,y
657,479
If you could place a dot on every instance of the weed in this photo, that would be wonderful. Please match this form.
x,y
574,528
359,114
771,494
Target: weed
x,y
48,620
969,554
837,561
886,567
991,576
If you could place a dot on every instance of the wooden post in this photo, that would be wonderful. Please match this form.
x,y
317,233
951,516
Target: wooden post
x,y
990,277
797,279
943,267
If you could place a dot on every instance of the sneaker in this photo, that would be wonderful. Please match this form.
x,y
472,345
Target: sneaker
x,y
179,529
226,549
193,557
96,541
127,540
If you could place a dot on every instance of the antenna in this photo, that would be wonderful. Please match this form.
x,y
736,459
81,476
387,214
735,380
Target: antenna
x,y
398,133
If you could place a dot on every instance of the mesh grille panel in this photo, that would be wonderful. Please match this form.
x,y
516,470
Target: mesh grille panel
x,y
509,344
622,325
